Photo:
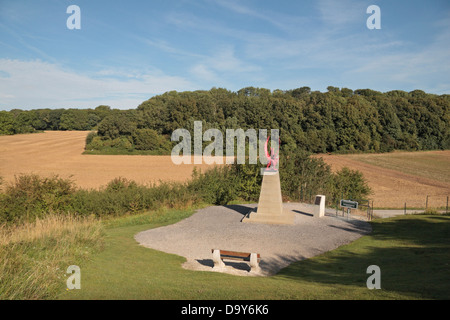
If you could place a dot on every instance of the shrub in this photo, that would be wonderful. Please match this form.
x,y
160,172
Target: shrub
x,y
120,183
349,184
216,186
122,143
301,175
31,196
91,135
149,139
95,144
248,182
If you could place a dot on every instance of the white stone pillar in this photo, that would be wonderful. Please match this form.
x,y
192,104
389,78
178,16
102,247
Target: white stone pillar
x,y
319,206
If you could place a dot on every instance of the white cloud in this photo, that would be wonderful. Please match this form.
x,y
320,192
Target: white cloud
x,y
38,84
204,72
279,21
223,66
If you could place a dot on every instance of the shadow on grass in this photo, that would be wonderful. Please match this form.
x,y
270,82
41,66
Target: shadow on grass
x,y
412,253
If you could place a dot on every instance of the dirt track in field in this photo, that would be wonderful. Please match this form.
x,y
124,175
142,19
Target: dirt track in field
x,y
59,152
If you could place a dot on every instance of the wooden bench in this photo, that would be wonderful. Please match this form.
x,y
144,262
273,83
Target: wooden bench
x,y
219,255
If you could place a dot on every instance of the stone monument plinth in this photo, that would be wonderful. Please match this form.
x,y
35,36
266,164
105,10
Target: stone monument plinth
x,y
270,206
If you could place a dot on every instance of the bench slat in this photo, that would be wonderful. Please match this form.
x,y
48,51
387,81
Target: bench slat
x,y
234,255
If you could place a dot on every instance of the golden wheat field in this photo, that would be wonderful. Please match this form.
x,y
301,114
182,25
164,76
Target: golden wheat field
x,y
401,177
60,152
395,178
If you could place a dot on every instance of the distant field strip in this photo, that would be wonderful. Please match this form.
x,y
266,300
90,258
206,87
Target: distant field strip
x,y
433,165
60,152
395,178
402,177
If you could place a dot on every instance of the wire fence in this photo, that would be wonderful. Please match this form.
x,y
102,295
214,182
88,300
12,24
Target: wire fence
x,y
430,204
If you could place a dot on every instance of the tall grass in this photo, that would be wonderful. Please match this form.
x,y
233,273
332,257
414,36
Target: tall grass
x,y
34,256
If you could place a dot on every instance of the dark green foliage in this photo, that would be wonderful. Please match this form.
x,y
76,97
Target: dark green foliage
x,y
216,186
32,196
339,120
115,125
7,124
91,135
149,139
302,176
349,184
20,121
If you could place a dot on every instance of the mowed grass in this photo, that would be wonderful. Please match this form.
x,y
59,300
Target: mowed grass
x,y
411,251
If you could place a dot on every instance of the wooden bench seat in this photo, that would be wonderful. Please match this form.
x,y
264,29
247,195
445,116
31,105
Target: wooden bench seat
x,y
219,255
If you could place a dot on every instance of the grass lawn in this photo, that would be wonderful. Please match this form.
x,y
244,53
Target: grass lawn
x,y
411,251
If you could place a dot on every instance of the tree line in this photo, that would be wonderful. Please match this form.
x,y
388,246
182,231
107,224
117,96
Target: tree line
x,y
339,120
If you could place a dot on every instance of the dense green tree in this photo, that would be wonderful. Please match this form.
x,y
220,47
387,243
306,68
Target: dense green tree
x,y
149,139
338,120
116,125
7,124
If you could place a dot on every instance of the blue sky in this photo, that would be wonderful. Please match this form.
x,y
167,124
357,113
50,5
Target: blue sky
x,y
129,51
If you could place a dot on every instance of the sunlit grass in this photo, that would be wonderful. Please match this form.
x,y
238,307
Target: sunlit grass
x,y
34,256
411,251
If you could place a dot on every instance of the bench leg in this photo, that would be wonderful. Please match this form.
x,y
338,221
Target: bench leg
x,y
254,265
218,263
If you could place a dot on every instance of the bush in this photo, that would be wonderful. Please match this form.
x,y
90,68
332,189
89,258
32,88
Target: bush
x,y
122,143
248,182
301,175
95,144
115,125
149,139
31,196
348,183
91,135
215,186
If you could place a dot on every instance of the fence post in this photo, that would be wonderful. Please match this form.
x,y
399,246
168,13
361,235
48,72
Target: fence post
x,y
446,208
337,208
371,212
426,205
405,208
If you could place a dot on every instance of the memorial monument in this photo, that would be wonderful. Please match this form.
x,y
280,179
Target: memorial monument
x,y
270,206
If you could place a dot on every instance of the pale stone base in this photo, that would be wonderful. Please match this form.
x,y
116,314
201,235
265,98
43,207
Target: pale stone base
x,y
287,217
270,206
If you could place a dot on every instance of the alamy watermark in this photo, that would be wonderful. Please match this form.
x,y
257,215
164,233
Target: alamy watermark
x,y
258,146
74,280
374,281
374,21
74,20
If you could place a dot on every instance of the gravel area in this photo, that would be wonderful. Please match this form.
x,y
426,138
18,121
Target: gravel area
x,y
220,227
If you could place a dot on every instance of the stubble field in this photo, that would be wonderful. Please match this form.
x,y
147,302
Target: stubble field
x,y
395,178
61,153
402,177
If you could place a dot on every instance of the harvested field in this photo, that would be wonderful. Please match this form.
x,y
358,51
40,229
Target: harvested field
x,y
399,177
60,152
395,178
